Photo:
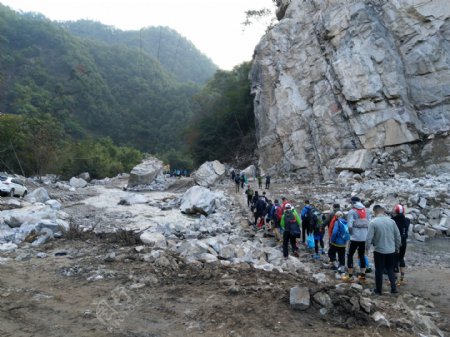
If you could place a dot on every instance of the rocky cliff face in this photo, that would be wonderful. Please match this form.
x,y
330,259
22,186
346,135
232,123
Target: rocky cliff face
x,y
354,85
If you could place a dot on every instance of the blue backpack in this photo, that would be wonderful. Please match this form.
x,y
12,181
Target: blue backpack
x,y
343,232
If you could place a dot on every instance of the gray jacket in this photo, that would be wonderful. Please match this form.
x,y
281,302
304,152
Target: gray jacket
x,y
384,235
358,227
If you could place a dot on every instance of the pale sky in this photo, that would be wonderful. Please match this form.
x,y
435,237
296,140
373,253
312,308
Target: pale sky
x,y
214,26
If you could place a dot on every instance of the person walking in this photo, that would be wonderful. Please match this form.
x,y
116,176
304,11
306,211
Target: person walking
x,y
384,235
403,223
267,182
318,230
306,216
259,181
249,194
260,210
358,222
338,241
290,223
237,181
277,214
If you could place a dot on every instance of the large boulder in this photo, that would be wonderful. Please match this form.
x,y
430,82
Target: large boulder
x,y
250,172
357,161
38,195
209,173
77,182
145,172
199,200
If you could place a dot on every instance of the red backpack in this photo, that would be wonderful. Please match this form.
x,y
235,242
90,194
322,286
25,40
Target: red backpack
x,y
361,213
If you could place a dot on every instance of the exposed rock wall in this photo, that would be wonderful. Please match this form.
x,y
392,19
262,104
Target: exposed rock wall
x,y
333,77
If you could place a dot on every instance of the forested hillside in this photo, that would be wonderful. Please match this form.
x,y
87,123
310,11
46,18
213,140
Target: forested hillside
x,y
223,125
176,54
89,101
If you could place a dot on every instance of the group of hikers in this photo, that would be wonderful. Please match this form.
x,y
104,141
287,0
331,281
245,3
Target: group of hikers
x,y
347,233
241,181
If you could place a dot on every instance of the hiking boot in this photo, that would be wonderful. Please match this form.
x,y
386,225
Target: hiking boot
x,y
296,254
348,278
316,256
394,291
368,270
362,279
322,251
333,267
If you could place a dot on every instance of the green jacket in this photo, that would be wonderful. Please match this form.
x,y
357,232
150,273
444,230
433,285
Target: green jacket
x,y
297,217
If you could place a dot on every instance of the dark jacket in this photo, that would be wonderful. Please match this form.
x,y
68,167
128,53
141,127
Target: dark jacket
x,y
403,226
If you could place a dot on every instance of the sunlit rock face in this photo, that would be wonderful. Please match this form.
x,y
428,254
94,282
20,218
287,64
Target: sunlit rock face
x,y
333,77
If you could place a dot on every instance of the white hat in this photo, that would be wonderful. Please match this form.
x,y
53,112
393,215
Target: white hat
x,y
288,206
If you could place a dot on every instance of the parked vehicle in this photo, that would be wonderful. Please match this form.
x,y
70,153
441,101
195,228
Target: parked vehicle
x,y
12,187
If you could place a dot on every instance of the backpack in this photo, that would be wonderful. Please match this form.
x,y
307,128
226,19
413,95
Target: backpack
x,y
362,221
290,223
308,215
278,212
343,232
316,219
261,205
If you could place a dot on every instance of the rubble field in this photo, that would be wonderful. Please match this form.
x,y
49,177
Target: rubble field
x,y
131,264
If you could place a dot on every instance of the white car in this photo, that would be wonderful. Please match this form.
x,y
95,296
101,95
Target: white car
x,y
12,187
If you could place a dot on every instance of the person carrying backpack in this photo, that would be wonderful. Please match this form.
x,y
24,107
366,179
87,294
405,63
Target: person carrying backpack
x,y
358,222
290,223
338,241
249,194
306,220
237,181
318,230
260,209
277,213
403,223
242,178
330,216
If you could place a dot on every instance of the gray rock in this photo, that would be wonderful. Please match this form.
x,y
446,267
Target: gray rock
x,y
85,176
38,195
146,172
156,240
209,173
199,200
299,298
55,204
77,182
430,232
323,299
357,161
365,304
7,247
419,237
423,202
133,199
380,319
